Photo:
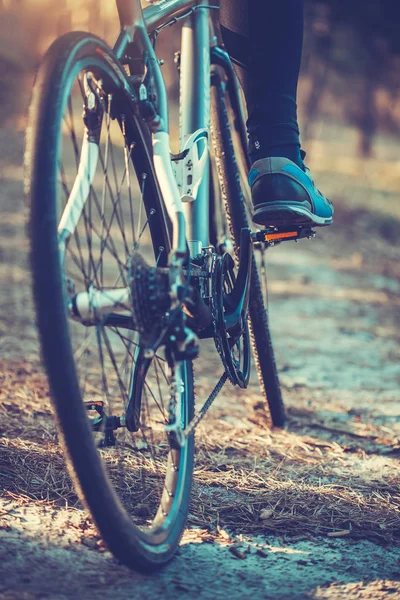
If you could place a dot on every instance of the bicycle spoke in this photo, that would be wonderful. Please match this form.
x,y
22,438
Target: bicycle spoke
x,y
63,181
118,204
101,357
115,366
71,127
105,167
127,159
159,387
143,230
126,341
107,230
146,413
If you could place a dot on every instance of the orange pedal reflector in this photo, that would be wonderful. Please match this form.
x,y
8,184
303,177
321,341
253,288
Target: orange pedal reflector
x,y
280,236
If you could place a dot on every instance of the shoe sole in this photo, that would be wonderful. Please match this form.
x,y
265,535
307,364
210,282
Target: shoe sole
x,y
270,215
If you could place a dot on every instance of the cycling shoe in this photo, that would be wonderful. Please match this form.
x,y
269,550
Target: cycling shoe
x,y
284,195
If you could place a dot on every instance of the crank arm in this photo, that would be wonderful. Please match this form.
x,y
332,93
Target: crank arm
x,y
239,297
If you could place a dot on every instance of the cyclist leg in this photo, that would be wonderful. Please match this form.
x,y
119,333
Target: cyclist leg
x,y
264,40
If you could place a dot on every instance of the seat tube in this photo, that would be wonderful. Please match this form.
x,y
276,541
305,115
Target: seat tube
x,y
195,114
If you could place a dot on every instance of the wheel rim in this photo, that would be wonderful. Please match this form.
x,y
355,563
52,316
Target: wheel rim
x,y
147,475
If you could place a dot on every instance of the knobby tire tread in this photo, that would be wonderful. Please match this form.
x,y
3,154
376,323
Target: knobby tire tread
x,y
237,219
85,467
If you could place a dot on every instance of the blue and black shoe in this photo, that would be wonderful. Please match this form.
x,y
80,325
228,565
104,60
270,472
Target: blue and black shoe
x,y
284,195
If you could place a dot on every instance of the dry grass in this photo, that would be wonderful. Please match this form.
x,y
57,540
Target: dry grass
x,y
291,484
36,471
248,479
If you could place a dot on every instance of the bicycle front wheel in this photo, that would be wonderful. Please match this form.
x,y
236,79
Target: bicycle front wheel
x,y
95,203
237,219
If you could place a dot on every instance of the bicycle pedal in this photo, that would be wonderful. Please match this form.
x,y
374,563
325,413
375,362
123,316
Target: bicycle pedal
x,y
272,235
97,405
96,420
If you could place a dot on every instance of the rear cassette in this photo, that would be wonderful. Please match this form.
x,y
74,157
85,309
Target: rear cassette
x,y
150,296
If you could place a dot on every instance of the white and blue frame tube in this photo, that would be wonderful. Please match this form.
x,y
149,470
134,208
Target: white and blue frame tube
x,y
195,113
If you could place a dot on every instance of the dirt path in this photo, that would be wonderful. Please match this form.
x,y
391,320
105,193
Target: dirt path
x,y
308,513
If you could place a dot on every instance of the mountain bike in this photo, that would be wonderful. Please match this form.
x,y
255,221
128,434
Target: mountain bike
x,y
138,255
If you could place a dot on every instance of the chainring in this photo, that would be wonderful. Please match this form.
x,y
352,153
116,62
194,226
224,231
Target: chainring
x,y
233,350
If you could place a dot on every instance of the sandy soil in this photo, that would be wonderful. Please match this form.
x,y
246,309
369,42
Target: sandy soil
x,y
329,484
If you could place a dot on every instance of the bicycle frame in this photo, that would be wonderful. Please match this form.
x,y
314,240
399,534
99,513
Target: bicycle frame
x,y
187,203
190,220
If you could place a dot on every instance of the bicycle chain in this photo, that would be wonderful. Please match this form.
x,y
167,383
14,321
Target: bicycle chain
x,y
189,429
217,335
213,306
218,344
202,412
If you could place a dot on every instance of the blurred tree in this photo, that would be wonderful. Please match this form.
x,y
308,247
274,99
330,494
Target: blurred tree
x,y
353,44
316,58
351,60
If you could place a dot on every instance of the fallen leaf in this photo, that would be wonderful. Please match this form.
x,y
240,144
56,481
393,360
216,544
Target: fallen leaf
x,y
266,513
237,552
341,533
90,543
224,534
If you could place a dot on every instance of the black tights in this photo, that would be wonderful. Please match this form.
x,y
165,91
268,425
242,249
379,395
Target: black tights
x,y
264,40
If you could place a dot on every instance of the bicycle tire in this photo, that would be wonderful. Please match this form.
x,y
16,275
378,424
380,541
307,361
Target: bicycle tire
x,y
233,198
137,547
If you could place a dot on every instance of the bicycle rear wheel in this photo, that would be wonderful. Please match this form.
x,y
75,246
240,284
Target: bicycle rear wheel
x,y
237,213
136,486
